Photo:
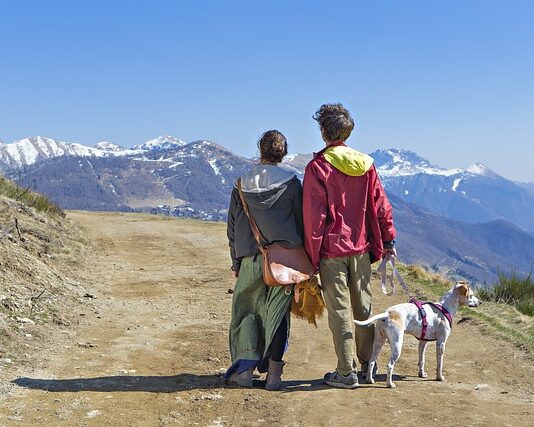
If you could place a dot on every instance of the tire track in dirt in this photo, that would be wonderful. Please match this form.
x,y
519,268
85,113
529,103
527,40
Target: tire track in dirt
x,y
152,347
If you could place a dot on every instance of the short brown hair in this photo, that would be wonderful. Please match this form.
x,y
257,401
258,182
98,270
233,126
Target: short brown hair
x,y
273,146
335,121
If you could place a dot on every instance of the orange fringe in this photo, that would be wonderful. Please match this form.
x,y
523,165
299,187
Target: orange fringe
x,y
310,305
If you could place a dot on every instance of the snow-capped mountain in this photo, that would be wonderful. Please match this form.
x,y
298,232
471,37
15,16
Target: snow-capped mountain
x,y
296,163
109,146
165,142
28,151
398,162
34,149
162,172
475,194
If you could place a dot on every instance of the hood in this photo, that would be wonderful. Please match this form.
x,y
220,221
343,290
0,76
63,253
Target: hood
x,y
348,160
264,185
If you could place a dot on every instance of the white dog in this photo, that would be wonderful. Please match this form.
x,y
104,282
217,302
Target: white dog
x,y
425,321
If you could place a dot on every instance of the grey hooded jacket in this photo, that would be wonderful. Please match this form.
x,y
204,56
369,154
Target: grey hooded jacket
x,y
274,198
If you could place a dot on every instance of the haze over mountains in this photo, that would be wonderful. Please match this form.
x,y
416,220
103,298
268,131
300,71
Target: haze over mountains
x,y
471,222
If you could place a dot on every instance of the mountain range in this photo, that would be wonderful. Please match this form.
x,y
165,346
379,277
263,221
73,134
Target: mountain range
x,y
475,194
470,222
161,173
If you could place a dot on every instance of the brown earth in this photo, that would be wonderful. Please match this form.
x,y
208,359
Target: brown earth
x,y
151,346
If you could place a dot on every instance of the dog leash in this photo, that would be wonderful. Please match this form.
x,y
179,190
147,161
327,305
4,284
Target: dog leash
x,y
382,269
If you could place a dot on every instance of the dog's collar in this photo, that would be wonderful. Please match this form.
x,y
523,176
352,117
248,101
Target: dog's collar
x,y
438,306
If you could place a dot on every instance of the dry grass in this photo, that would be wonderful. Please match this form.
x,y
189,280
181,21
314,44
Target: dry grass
x,y
29,198
499,319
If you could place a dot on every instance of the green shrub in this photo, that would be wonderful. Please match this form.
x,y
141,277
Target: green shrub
x,y
513,290
29,198
526,307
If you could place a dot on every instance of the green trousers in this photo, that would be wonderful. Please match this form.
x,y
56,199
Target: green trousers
x,y
257,312
347,292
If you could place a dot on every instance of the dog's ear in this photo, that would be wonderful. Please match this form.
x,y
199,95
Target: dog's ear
x,y
463,288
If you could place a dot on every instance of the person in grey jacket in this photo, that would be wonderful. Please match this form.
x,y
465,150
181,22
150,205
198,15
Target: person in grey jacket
x,y
259,328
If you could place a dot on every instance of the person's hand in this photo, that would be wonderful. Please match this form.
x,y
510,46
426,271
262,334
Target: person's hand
x,y
392,251
236,273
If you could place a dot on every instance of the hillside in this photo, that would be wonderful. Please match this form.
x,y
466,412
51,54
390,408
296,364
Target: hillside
x,y
40,251
151,349
199,175
477,252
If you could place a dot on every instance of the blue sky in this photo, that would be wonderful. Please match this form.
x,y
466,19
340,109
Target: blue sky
x,y
451,80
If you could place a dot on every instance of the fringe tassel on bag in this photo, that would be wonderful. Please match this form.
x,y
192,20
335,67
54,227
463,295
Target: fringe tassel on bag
x,y
308,303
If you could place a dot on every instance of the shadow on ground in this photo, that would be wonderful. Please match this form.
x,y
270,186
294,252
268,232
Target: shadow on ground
x,y
319,384
153,384
170,384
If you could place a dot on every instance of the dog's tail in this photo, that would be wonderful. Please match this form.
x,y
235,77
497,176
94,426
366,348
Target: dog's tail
x,y
373,319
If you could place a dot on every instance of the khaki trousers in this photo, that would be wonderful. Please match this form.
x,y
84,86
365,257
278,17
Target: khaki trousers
x,y
346,283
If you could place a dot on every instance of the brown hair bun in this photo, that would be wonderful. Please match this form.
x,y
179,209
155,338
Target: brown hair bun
x,y
273,146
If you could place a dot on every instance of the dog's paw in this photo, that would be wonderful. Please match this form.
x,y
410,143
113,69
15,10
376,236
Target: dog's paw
x,y
440,378
391,385
423,375
369,380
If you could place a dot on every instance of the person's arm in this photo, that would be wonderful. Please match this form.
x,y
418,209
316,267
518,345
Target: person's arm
x,y
314,211
297,210
230,231
384,212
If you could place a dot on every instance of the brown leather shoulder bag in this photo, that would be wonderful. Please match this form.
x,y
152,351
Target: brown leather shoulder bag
x,y
281,266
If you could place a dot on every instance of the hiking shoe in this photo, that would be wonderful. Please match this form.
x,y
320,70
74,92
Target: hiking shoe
x,y
335,379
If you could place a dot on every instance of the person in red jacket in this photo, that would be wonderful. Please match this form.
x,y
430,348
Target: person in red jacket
x,y
348,224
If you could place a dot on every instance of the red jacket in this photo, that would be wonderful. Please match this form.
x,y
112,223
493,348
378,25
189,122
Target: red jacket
x,y
345,209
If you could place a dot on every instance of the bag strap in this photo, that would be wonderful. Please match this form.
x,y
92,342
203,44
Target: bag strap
x,y
255,230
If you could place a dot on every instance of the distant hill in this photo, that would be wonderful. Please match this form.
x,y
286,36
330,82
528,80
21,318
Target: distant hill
x,y
474,251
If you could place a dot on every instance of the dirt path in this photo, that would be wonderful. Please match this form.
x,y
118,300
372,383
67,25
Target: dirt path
x,y
150,349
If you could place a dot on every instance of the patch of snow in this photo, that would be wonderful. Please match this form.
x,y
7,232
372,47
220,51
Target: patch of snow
x,y
479,169
160,160
406,192
213,164
164,142
456,183
109,146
